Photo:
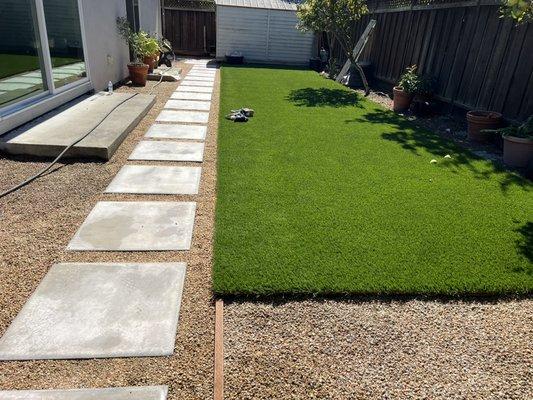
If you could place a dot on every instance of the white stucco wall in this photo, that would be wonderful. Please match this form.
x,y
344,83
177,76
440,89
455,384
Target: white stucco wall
x,y
150,16
107,54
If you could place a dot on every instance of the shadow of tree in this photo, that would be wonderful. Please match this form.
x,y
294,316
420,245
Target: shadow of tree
x,y
324,97
525,244
413,138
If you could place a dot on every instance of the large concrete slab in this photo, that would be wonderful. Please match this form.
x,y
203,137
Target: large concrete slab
x,y
201,75
151,179
197,89
168,151
97,310
197,117
188,105
50,137
175,131
136,226
120,393
191,96
197,83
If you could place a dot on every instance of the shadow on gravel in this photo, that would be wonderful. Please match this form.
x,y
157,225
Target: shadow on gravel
x,y
324,97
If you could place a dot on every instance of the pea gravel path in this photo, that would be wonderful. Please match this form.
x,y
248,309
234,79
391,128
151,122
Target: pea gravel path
x,y
379,350
36,224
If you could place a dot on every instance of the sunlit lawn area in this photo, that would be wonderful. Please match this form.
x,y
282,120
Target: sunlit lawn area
x,y
325,192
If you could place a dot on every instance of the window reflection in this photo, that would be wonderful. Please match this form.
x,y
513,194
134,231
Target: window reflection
x,y
64,40
21,65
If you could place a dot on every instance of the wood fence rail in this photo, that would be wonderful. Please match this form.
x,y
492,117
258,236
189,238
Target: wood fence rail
x,y
480,60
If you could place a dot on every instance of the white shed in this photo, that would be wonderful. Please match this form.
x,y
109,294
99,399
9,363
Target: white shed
x,y
263,31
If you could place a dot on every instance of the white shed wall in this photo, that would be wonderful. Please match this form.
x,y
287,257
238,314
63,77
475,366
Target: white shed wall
x,y
262,35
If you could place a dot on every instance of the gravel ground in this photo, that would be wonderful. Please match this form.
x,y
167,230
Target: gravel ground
x,y
379,350
37,222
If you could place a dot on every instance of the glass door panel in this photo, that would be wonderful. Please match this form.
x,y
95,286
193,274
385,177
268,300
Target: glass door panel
x,y
65,41
21,61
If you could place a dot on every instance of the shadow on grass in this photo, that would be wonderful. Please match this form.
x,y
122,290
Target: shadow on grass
x,y
412,138
525,245
324,97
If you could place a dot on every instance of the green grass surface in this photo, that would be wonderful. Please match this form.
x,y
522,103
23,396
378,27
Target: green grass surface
x,y
12,64
326,192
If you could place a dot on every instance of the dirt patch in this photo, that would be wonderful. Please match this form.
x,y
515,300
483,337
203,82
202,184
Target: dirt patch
x,y
329,349
38,221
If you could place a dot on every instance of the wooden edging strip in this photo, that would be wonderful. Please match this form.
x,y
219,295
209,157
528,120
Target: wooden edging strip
x,y
219,350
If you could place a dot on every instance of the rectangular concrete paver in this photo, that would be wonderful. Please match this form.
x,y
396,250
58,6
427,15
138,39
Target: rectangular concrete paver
x,y
198,117
199,79
191,96
188,105
119,393
198,89
151,179
97,310
176,131
168,151
136,226
197,83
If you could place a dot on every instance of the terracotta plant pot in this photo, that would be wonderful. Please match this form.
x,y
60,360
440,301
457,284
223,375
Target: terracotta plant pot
x,y
138,73
401,100
517,152
480,120
151,62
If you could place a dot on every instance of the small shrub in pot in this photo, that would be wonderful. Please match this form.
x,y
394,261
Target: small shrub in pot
x,y
480,121
410,85
517,143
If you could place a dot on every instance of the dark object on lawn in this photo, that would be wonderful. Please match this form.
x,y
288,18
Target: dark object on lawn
x,y
240,115
482,120
235,58
422,106
315,64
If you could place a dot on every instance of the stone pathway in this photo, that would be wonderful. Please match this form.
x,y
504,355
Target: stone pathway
x,y
93,310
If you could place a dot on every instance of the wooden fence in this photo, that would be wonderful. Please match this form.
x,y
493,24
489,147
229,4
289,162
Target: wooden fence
x,y
480,61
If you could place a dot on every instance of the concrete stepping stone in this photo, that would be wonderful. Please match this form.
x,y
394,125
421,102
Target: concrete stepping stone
x,y
201,75
152,150
188,105
120,393
174,131
198,117
150,179
99,310
198,79
7,86
198,89
25,79
190,96
136,226
197,83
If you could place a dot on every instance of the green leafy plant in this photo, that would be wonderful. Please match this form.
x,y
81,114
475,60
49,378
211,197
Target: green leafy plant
x,y
524,130
141,43
519,10
412,83
336,18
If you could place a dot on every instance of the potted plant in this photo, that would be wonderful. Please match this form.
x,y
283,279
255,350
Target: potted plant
x,y
135,40
517,143
150,49
479,121
404,91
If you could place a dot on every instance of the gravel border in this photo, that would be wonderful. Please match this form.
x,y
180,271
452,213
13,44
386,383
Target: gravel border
x,y
328,349
38,221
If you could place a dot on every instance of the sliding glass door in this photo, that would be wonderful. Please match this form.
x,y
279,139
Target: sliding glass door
x,y
41,49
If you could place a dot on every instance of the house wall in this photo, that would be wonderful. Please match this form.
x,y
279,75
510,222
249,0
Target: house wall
x,y
262,35
150,16
107,54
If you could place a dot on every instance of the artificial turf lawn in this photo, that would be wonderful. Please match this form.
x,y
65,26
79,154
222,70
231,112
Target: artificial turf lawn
x,y
323,191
